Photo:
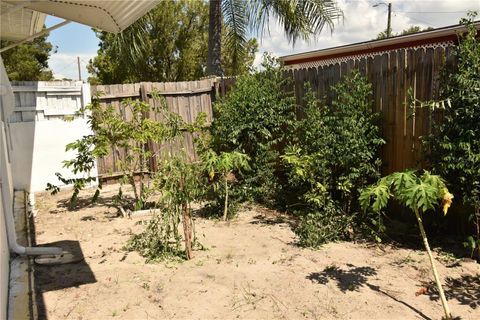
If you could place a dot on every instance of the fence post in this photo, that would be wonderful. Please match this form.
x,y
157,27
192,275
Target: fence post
x,y
152,163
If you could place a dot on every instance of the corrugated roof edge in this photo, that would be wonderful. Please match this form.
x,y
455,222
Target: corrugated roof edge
x,y
448,33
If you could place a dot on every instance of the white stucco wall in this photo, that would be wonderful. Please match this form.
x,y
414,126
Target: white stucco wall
x,y
39,133
39,150
6,190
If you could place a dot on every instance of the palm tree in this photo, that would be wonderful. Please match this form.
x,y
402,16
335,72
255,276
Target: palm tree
x,y
299,19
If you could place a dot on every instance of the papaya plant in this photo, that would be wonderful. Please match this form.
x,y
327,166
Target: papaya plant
x,y
418,193
223,165
126,138
178,184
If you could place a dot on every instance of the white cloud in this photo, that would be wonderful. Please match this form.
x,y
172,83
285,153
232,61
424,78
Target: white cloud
x,y
64,65
362,22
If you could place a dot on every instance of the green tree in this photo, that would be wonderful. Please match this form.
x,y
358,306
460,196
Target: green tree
x,y
333,154
168,44
299,19
29,61
409,30
455,146
255,119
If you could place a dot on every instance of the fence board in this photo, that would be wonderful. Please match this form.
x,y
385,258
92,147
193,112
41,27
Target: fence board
x,y
187,99
391,75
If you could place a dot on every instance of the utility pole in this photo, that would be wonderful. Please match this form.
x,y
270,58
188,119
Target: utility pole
x,y
79,69
389,21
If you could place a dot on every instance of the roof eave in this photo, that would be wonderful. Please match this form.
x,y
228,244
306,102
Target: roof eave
x,y
438,35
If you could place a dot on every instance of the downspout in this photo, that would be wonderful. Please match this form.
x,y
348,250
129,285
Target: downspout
x,y
7,206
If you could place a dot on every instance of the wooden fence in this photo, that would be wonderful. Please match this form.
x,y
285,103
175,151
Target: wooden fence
x,y
187,99
392,74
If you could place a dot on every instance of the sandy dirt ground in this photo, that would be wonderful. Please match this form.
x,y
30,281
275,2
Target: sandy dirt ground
x,y
251,269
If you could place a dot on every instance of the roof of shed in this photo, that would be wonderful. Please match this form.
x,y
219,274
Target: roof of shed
x,y
424,38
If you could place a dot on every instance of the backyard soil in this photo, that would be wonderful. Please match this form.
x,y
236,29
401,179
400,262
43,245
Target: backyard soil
x,y
251,268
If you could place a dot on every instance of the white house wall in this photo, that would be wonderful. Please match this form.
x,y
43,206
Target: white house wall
x,y
40,133
6,189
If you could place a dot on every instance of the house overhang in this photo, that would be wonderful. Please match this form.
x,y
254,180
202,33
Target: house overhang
x,y
16,25
110,16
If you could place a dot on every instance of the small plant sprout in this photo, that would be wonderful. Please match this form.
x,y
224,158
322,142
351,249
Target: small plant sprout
x,y
224,165
420,194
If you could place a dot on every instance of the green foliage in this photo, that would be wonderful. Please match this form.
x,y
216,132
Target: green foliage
x,y
179,184
323,226
223,165
29,61
156,243
409,30
455,144
299,20
126,138
168,44
333,154
254,119
419,193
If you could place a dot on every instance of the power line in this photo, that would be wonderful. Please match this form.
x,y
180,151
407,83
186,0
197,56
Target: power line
x,y
448,12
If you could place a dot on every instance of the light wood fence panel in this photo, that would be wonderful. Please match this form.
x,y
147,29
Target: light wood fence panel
x,y
188,99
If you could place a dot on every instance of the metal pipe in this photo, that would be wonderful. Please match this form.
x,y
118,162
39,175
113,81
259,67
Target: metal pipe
x,y
36,35
7,208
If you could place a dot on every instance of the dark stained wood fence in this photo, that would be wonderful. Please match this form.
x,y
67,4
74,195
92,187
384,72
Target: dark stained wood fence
x,y
187,99
391,75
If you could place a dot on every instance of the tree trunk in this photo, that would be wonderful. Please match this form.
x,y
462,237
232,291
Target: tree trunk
x,y
187,230
446,309
225,208
214,38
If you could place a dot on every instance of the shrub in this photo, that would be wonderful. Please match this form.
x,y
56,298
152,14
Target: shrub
x,y
220,169
254,119
117,135
455,146
324,225
333,155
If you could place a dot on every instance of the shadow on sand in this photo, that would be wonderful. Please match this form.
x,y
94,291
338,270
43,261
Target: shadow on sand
x,y
352,279
61,276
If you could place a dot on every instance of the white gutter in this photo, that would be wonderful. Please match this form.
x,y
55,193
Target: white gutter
x,y
36,35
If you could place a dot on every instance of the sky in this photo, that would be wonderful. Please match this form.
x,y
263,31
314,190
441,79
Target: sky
x,y
361,22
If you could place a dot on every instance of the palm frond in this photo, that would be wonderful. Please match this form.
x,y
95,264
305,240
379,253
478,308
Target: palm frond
x,y
299,18
132,43
236,24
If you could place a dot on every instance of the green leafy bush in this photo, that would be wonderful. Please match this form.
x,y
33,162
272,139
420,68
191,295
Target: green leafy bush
x,y
255,119
220,169
333,155
455,144
323,225
117,135
179,184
